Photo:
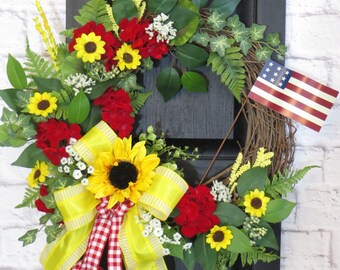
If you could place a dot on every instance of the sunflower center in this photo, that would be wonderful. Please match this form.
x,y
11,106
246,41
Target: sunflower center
x,y
90,47
122,174
256,203
218,236
127,58
37,173
43,105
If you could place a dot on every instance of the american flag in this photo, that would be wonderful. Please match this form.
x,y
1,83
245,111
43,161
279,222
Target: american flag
x,y
293,95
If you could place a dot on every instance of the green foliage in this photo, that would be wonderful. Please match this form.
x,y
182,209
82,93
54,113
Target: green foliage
x,y
29,157
278,210
200,38
128,81
193,81
52,232
79,108
240,242
63,104
168,83
37,66
159,6
16,74
47,85
231,70
29,237
284,183
220,45
251,179
94,10
191,56
257,255
10,98
100,87
217,20
124,9
224,6
230,214
207,256
138,100
31,195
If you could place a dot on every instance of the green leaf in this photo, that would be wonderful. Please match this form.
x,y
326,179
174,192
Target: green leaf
x,y
219,44
278,210
92,119
128,82
200,3
16,74
245,46
269,240
29,237
175,250
8,117
194,82
189,259
49,201
207,256
31,195
230,214
100,88
191,56
56,217
202,39
29,157
252,179
47,85
273,39
185,16
257,31
10,98
168,83
234,22
124,9
17,142
4,136
241,33
60,183
224,6
217,20
52,232
44,219
263,54
71,65
159,6
138,100
79,108
240,242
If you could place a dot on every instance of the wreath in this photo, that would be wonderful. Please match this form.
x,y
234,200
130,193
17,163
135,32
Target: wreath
x,y
100,187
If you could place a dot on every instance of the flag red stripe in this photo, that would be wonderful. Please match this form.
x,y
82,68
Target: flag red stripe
x,y
290,100
309,95
315,84
284,111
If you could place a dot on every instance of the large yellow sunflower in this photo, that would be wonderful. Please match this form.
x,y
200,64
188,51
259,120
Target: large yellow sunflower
x,y
219,237
123,173
38,174
42,104
89,47
127,57
256,203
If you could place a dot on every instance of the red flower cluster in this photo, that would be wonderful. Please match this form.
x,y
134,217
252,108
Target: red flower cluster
x,y
52,137
116,111
39,204
196,211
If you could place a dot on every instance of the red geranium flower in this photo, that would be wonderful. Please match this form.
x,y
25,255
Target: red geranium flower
x,y
52,137
39,204
116,111
196,211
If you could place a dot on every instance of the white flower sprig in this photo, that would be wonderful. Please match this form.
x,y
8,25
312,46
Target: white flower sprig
x,y
166,31
79,82
220,192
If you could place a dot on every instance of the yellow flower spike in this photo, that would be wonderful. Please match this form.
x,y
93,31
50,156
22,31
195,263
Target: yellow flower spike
x,y
263,159
46,34
115,27
219,237
140,5
38,174
256,203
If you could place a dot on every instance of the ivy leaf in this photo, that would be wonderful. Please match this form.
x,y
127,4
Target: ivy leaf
x,y
23,98
124,9
194,82
56,217
257,31
263,54
241,33
234,22
159,6
44,219
230,214
60,183
217,20
220,44
252,179
16,74
79,108
202,39
29,237
52,232
191,56
278,210
273,39
147,63
240,242
49,201
8,117
207,256
4,136
245,45
225,6
168,83
129,82
29,157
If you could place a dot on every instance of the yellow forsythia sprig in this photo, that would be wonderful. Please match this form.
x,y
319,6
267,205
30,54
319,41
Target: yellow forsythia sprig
x,y
46,34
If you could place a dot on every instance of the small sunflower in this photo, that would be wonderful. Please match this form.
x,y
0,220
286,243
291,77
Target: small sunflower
x,y
89,47
38,174
123,173
42,104
219,237
127,57
256,203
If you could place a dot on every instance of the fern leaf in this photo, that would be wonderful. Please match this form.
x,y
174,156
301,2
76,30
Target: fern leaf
x,y
138,100
31,195
94,10
257,255
283,184
231,70
36,66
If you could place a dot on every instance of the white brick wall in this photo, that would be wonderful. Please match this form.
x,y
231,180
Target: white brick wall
x,y
309,237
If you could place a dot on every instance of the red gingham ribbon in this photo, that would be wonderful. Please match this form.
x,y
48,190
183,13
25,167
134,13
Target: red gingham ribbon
x,y
106,228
